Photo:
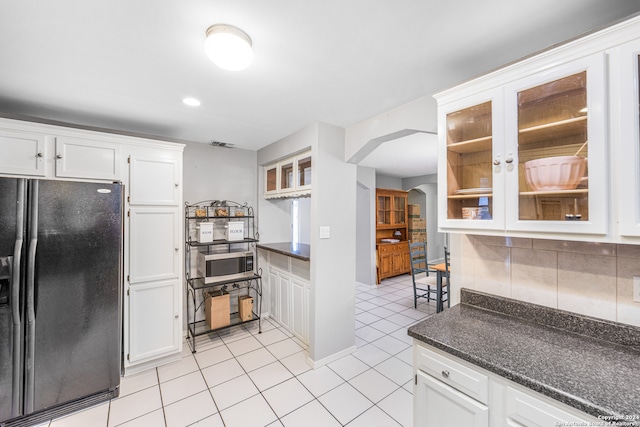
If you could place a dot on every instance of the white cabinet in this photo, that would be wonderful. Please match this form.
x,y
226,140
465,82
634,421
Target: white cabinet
x,y
284,299
547,147
300,309
555,117
491,141
22,153
626,100
151,172
274,295
525,410
290,177
473,137
87,158
153,255
289,292
437,404
153,320
451,391
155,180
154,267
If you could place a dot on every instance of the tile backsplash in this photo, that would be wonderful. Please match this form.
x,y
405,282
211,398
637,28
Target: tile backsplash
x,y
594,279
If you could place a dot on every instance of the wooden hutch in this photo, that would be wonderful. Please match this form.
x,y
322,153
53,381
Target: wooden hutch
x,y
392,248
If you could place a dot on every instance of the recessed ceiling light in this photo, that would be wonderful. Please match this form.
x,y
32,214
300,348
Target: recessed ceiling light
x,y
191,102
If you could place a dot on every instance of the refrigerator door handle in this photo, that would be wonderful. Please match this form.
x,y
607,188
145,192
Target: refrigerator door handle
x,y
30,300
16,404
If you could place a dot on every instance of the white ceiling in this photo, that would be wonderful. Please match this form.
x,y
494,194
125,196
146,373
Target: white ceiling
x,y
127,64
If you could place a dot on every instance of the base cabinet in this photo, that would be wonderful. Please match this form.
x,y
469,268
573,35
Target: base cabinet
x,y
393,259
523,409
300,309
449,391
437,404
153,320
289,292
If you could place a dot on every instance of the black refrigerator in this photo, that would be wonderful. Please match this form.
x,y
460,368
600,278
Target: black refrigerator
x,y
60,297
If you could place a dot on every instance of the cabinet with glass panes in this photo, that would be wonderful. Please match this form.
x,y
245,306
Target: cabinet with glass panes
x,y
470,138
558,145
524,156
290,177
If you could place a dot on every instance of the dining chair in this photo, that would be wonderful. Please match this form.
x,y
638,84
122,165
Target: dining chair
x,y
424,280
446,275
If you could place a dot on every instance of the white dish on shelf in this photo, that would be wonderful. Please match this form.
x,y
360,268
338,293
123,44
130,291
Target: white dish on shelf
x,y
555,173
389,240
474,190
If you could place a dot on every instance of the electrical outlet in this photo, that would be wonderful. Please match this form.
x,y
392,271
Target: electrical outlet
x,y
636,288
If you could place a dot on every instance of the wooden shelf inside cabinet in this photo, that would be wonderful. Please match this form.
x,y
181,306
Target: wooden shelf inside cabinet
x,y
568,193
472,145
469,196
553,130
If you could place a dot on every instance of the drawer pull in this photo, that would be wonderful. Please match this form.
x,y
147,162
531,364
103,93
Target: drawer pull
x,y
445,374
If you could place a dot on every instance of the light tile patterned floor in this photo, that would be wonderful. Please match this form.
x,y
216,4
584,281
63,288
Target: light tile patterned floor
x,y
241,378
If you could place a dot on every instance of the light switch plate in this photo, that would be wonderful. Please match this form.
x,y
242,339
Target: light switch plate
x,y
636,288
325,232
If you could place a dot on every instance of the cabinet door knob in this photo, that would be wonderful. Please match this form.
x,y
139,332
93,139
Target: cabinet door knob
x,y
176,249
509,160
176,316
58,156
445,374
40,154
177,185
496,162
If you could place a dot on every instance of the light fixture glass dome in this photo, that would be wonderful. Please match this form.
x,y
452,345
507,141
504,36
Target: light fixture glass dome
x,y
228,47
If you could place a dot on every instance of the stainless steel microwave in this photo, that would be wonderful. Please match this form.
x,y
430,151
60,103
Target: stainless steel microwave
x,y
220,267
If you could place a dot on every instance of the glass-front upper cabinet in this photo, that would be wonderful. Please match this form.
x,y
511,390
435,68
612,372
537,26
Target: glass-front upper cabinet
x,y
399,209
271,179
625,72
286,175
469,138
289,177
384,209
555,155
303,164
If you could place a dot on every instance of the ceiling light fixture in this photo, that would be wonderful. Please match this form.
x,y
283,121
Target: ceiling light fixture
x,y
191,102
228,47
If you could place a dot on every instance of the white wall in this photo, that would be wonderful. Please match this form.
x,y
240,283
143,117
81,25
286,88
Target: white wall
x,y
274,220
365,226
364,137
388,182
219,173
333,204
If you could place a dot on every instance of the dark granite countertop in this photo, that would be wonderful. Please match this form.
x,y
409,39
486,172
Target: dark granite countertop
x,y
300,251
590,364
